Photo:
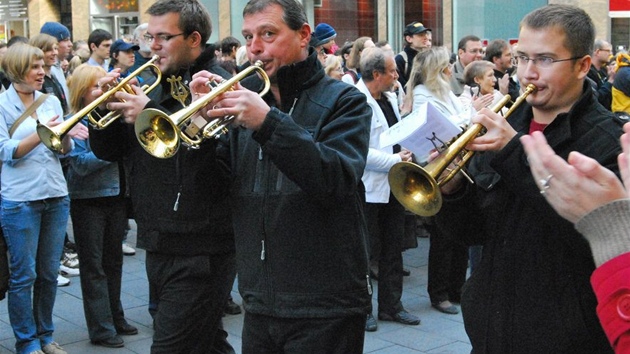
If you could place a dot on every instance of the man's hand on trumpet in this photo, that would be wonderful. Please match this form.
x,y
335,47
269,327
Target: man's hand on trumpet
x,y
129,105
105,83
248,108
499,132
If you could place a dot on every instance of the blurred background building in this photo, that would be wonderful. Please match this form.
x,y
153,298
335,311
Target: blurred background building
x,y
379,19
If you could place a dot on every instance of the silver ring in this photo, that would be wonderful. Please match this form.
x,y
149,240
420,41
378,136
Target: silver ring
x,y
542,191
545,182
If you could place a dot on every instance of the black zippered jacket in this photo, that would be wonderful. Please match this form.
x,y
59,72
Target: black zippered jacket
x,y
297,199
531,292
192,180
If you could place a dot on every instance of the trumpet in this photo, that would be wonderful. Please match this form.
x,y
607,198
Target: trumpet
x,y
418,188
161,135
52,137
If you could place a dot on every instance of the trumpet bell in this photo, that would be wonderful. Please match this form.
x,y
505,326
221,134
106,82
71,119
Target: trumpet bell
x,y
418,188
50,137
156,133
415,188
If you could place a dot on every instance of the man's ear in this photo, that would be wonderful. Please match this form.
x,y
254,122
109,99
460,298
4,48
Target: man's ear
x,y
194,39
305,35
585,66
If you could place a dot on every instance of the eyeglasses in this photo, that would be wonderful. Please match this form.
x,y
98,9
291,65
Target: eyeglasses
x,y
542,61
161,37
605,50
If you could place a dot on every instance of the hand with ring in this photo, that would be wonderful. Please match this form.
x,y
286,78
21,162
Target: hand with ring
x,y
574,187
544,184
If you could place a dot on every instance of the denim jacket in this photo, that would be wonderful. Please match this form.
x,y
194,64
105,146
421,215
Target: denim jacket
x,y
88,176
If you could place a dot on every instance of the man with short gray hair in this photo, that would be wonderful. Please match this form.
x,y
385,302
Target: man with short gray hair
x,y
601,78
385,216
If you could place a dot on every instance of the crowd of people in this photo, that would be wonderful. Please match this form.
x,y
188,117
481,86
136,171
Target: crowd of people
x,y
295,200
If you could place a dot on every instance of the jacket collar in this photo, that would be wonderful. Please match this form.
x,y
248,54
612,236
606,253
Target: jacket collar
x,y
297,77
560,128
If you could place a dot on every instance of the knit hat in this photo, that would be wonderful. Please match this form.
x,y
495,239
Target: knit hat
x,y
324,33
57,30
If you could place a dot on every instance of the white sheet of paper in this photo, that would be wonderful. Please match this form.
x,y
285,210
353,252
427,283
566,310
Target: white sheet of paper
x,y
421,131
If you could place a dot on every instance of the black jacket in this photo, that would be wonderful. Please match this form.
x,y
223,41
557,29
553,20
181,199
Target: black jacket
x,y
513,86
192,180
601,86
531,293
404,66
297,199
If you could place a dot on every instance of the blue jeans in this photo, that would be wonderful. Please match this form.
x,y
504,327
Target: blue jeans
x,y
34,232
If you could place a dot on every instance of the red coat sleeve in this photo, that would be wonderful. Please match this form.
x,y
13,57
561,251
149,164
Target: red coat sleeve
x,y
611,283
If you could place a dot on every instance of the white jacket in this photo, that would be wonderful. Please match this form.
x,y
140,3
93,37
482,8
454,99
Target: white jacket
x,y
379,160
452,108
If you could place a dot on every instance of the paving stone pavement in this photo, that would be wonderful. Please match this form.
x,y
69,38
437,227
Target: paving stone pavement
x,y
437,334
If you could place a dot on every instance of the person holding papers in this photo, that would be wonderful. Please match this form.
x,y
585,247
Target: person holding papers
x,y
384,214
429,83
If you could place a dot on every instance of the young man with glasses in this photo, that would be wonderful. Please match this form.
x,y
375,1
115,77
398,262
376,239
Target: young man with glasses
x,y
531,291
469,49
183,219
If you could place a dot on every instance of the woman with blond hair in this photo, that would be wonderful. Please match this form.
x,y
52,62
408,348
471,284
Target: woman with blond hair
x,y
99,218
429,83
35,199
333,67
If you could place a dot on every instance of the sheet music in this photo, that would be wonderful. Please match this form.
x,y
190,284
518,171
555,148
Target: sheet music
x,y
421,131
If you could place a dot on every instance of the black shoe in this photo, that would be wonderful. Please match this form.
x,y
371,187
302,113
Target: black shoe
x,y
126,329
446,307
370,324
113,342
232,308
403,317
406,272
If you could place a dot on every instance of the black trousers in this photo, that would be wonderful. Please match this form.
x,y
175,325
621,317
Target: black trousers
x,y
447,267
191,292
271,335
98,232
386,225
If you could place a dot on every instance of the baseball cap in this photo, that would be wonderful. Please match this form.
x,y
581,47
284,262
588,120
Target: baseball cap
x,y
415,28
120,45
57,30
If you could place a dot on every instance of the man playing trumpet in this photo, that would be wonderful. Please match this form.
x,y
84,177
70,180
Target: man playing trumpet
x,y
531,291
297,156
183,221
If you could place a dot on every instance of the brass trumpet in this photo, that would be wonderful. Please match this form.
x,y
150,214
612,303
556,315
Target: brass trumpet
x,y
52,137
418,189
160,134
